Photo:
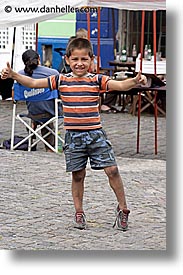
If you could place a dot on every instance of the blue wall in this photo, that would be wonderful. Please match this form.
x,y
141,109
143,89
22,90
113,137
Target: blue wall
x,y
106,32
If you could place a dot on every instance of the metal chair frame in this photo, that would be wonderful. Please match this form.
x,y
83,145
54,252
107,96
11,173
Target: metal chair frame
x,y
31,132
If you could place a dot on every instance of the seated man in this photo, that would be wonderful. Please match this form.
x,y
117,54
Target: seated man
x,y
40,109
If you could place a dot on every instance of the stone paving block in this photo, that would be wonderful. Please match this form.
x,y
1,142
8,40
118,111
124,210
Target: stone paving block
x,y
36,207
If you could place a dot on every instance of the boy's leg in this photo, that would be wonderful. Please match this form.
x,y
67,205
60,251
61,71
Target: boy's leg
x,y
78,189
77,193
117,185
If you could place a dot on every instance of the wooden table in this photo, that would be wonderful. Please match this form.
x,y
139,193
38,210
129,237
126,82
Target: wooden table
x,y
150,94
129,65
152,100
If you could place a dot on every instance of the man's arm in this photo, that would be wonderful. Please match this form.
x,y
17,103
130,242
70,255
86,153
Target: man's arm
x,y
24,80
127,84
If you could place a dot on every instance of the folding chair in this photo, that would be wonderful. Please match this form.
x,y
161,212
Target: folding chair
x,y
22,93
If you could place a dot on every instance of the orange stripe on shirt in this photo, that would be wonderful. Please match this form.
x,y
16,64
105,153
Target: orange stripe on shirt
x,y
104,83
81,120
79,99
52,82
80,110
79,89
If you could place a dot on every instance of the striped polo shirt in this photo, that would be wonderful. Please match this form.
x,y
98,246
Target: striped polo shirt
x,y
80,99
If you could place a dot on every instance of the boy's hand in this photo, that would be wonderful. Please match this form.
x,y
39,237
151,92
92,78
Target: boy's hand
x,y
140,78
6,72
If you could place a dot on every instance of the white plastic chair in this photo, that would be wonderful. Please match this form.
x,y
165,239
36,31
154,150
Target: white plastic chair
x,y
22,93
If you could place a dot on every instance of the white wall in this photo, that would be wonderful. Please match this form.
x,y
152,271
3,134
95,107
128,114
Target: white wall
x,y
24,39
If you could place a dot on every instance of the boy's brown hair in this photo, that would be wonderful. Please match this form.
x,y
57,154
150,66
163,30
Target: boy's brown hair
x,y
79,43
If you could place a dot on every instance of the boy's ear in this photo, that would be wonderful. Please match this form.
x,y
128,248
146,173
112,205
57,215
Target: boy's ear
x,y
67,60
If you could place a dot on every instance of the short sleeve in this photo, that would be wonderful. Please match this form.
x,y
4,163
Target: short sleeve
x,y
53,82
103,80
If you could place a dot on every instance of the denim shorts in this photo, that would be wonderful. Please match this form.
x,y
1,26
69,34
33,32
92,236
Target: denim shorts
x,y
83,145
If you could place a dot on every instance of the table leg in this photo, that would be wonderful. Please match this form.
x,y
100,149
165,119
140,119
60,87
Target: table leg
x,y
155,121
138,126
150,99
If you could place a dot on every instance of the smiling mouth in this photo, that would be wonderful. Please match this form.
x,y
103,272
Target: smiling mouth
x,y
79,69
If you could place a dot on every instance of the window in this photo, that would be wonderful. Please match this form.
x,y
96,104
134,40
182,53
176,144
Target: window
x,y
28,36
4,38
131,30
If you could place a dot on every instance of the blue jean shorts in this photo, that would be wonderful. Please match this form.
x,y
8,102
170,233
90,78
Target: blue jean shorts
x,y
83,145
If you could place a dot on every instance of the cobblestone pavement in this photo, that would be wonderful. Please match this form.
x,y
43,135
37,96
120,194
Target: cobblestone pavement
x,y
36,208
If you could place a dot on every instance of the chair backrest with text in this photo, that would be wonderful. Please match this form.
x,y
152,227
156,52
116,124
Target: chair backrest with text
x,y
22,93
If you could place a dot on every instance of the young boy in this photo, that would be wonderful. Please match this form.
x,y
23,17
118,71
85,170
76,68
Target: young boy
x,y
85,137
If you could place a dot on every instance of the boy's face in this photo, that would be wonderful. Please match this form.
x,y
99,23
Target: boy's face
x,y
79,61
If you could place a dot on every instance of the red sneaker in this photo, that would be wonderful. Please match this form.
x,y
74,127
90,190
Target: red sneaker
x,y
80,220
121,221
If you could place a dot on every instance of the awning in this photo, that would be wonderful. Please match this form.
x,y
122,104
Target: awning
x,y
13,13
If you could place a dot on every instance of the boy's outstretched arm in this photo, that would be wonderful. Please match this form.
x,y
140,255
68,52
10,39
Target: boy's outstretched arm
x,y
127,84
22,79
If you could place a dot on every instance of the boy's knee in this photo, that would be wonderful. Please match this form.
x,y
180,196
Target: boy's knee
x,y
112,171
78,175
